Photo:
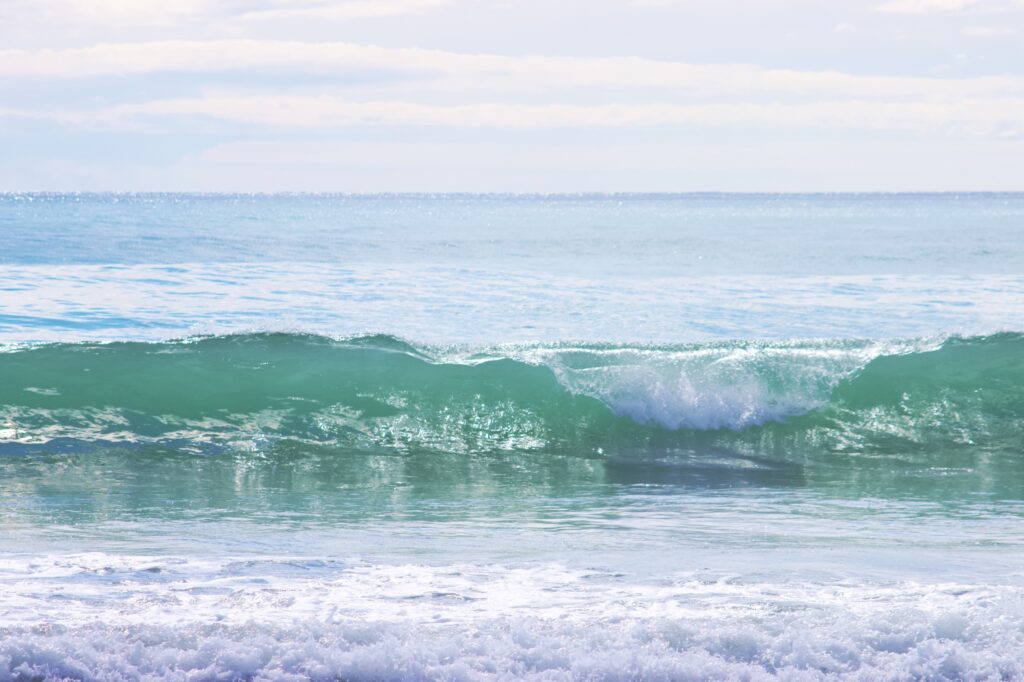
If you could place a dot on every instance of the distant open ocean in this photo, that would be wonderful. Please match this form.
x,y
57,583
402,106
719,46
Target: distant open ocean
x,y
489,437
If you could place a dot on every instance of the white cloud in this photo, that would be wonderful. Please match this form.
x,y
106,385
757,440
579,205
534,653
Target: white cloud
x,y
926,6
994,117
451,72
987,31
508,74
36,13
345,9
149,13
949,6
440,88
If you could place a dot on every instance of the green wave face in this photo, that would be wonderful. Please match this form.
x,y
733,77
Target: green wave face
x,y
968,392
741,411
371,392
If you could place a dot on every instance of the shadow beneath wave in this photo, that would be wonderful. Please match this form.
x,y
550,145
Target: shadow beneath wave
x,y
707,470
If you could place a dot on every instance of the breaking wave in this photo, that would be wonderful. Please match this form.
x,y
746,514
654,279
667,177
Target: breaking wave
x,y
380,392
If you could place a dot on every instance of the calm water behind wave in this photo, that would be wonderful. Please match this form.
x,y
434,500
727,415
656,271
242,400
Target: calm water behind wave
x,y
494,269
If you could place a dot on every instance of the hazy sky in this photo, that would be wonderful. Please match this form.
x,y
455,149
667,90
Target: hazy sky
x,y
511,95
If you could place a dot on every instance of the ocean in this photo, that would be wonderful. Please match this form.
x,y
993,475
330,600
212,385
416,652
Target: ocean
x,y
497,437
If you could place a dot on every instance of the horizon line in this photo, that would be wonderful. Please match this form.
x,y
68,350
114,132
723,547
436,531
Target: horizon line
x,y
524,194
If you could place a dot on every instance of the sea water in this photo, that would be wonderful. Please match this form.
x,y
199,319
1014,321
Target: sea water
x,y
494,437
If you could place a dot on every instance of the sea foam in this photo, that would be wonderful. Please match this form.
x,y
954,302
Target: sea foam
x,y
269,621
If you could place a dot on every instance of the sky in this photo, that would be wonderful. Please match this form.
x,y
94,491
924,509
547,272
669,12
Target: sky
x,y
511,95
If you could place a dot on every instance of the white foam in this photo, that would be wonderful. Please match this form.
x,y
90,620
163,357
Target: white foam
x,y
106,617
713,386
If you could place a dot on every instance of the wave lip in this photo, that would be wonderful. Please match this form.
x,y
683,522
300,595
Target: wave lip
x,y
713,386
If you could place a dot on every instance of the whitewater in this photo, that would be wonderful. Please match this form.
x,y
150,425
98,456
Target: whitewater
x,y
489,437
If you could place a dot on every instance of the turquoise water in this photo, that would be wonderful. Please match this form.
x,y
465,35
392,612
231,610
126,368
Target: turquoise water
x,y
506,437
